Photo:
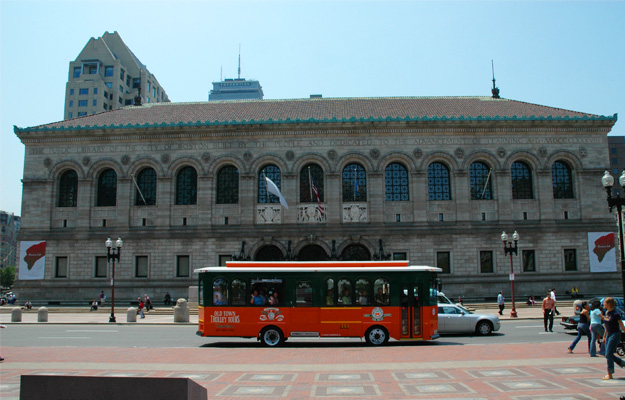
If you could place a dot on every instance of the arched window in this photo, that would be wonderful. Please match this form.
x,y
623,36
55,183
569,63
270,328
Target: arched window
x,y
381,290
303,294
363,292
396,183
330,295
354,183
107,188
68,189
521,180
186,186
311,184
273,173
345,293
562,180
145,194
228,185
239,292
480,177
439,186
220,292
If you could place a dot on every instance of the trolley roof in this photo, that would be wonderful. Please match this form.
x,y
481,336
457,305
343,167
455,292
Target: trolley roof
x,y
317,266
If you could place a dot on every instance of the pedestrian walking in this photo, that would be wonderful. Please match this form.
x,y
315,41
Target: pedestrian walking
x,y
102,298
500,301
612,335
596,329
140,310
583,327
555,302
548,304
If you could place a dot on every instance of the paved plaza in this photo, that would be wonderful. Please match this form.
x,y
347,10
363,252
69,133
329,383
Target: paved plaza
x,y
439,369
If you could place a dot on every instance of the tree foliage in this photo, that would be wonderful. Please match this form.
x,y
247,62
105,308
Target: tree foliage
x,y
7,276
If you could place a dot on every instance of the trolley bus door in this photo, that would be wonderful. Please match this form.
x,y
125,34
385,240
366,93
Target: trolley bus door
x,y
410,311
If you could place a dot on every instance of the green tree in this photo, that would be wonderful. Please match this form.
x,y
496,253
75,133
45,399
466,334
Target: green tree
x,y
7,276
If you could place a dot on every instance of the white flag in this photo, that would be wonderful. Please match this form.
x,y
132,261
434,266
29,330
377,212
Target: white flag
x,y
272,188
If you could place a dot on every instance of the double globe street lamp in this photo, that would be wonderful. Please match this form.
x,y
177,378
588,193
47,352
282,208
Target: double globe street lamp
x,y
618,202
113,251
509,249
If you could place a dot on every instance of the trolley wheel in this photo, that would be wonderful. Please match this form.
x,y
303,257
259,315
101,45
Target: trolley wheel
x,y
484,328
376,336
271,336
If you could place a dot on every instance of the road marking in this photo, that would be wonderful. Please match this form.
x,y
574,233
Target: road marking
x,y
529,326
90,330
64,337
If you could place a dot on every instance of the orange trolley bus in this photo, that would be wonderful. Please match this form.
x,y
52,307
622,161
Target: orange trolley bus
x,y
274,301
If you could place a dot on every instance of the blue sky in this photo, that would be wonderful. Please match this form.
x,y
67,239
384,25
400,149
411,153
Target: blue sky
x,y
566,54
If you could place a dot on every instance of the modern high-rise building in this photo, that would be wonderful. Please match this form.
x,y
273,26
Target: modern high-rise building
x,y
236,89
9,225
106,76
616,146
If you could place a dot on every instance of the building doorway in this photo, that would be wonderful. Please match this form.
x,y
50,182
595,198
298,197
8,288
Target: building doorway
x,y
312,252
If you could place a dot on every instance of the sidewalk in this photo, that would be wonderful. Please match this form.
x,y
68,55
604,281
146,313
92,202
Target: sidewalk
x,y
70,315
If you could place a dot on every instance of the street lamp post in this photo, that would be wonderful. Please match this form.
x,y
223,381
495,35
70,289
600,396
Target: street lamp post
x,y
618,202
113,251
509,249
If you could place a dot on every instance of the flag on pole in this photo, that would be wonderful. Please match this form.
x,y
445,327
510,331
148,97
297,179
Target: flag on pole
x,y
273,189
138,190
316,192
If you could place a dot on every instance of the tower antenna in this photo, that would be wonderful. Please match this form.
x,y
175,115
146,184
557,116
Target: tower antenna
x,y
495,89
239,60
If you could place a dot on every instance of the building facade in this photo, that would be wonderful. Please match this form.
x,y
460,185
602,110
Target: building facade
x,y
106,76
434,180
236,89
9,227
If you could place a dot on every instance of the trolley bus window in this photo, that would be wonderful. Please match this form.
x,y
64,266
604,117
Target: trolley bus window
x,y
303,294
381,288
239,292
264,291
363,292
329,292
220,292
201,292
345,292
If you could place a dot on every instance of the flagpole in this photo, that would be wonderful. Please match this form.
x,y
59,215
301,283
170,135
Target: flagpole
x,y
266,187
486,184
310,185
139,190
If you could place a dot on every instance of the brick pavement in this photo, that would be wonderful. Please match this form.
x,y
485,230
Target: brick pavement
x,y
322,370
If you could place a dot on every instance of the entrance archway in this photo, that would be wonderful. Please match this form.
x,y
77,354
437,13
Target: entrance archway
x,y
355,252
269,253
312,252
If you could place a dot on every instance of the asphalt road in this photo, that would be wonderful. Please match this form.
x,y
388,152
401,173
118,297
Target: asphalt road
x,y
172,336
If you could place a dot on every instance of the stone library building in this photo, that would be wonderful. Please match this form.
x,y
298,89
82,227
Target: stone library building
x,y
432,180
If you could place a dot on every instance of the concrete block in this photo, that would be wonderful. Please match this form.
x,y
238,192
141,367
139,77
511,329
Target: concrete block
x,y
42,314
57,387
131,314
16,315
181,311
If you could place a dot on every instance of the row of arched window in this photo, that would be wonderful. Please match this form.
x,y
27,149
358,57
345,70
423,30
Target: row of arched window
x,y
311,184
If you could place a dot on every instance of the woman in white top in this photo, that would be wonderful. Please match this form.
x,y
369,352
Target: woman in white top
x,y
596,329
